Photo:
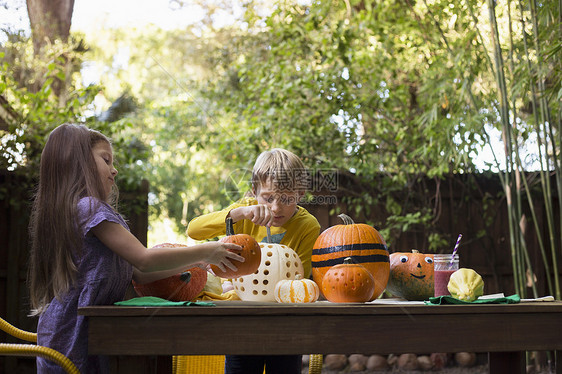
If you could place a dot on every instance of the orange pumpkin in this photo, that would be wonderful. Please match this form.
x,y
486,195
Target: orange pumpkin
x,y
251,251
348,283
184,286
360,241
411,275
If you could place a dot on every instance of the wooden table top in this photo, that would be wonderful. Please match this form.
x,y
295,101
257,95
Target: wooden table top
x,y
239,327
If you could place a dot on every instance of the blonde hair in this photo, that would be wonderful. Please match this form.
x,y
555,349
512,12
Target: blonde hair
x,y
282,168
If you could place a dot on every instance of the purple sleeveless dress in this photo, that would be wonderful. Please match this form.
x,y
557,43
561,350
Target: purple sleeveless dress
x,y
103,278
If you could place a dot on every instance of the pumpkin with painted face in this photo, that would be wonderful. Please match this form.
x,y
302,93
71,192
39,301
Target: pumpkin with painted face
x,y
411,275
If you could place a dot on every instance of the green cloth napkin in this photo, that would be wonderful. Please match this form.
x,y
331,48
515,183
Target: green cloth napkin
x,y
444,300
156,301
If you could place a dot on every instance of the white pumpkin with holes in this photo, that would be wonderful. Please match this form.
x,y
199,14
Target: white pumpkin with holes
x,y
298,290
278,262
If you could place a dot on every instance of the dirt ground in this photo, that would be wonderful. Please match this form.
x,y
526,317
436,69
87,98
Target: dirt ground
x,y
479,369
452,367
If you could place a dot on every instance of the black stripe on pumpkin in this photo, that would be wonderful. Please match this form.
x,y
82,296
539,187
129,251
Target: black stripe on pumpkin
x,y
348,247
357,259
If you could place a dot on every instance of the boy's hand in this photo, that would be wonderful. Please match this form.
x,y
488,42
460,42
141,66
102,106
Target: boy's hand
x,y
222,254
259,214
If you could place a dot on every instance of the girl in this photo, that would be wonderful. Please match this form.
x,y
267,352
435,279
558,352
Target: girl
x,y
82,252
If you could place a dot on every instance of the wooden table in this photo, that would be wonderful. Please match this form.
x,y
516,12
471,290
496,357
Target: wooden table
x,y
236,327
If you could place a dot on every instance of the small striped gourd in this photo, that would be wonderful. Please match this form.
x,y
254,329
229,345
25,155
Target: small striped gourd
x,y
296,290
360,241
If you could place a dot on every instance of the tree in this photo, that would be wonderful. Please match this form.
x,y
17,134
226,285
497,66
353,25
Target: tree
x,y
40,91
50,21
403,88
384,92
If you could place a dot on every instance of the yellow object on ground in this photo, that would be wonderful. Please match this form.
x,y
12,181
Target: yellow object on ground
x,y
33,350
214,364
202,364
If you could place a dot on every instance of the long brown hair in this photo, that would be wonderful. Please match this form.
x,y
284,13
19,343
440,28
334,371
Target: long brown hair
x,y
68,173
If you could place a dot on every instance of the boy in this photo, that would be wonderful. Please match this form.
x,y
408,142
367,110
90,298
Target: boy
x,y
279,181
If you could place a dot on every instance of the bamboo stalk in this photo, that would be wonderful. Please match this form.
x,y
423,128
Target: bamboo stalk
x,y
539,235
517,250
493,70
517,167
518,170
471,96
542,172
545,120
512,179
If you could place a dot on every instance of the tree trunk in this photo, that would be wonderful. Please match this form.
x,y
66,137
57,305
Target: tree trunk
x,y
49,20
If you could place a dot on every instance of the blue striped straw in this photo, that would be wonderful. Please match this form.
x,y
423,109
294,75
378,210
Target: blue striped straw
x,y
456,248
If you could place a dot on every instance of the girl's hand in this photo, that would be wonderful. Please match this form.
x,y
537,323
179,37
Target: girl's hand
x,y
259,214
221,254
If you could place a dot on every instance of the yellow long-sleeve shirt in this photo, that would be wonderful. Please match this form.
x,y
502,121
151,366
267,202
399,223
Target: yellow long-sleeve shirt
x,y
299,233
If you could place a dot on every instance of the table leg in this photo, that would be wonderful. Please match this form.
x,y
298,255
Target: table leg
x,y
133,364
164,364
558,362
507,362
141,364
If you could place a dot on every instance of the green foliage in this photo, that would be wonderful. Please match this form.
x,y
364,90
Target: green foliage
x,y
386,93
26,84
364,92
392,95
36,114
395,89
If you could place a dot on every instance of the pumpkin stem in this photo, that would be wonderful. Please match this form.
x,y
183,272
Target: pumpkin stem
x,y
349,260
415,251
346,219
185,277
229,227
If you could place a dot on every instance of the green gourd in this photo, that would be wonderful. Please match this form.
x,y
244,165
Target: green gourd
x,y
466,284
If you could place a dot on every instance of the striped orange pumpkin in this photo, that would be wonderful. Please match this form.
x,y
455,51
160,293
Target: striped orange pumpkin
x,y
298,290
358,240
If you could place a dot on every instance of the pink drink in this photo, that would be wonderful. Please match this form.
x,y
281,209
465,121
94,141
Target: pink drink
x,y
444,266
441,278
